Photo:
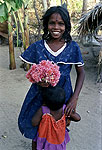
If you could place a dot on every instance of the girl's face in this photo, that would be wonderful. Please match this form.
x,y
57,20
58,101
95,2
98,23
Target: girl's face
x,y
56,26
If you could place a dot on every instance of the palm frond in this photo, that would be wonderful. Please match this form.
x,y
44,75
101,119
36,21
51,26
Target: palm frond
x,y
90,21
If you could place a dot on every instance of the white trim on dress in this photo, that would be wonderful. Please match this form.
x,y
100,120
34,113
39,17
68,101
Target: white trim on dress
x,y
55,54
52,52
25,60
78,63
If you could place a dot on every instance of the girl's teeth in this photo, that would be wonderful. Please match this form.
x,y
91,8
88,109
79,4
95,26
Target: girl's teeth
x,y
56,33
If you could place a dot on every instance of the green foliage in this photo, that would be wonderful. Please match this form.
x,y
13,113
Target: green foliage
x,y
3,12
15,4
75,6
18,3
6,6
26,2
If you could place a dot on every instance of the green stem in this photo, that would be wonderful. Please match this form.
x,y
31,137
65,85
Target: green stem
x,y
22,28
15,18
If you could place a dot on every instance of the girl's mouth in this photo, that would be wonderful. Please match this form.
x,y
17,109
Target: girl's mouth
x,y
55,33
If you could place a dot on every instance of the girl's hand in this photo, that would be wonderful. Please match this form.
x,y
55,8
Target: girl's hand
x,y
43,84
71,106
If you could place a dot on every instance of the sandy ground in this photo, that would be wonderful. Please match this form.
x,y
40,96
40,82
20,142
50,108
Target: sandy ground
x,y
85,135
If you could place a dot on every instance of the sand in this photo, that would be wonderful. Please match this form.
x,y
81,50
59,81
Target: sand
x,y
84,135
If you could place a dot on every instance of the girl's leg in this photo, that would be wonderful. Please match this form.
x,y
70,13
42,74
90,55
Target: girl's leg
x,y
34,145
75,117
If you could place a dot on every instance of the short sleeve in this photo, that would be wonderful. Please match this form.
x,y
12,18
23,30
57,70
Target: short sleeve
x,y
77,56
29,55
71,55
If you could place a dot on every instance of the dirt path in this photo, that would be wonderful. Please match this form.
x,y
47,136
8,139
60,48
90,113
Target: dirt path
x,y
85,135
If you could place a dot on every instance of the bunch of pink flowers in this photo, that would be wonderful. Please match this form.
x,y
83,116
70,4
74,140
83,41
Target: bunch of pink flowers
x,y
46,71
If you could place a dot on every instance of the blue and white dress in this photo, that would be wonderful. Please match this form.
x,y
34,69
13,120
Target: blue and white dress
x,y
65,57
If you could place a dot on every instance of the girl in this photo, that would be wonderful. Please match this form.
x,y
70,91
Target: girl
x,y
57,46
52,132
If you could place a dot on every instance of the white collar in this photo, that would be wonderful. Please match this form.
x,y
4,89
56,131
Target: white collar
x,y
52,52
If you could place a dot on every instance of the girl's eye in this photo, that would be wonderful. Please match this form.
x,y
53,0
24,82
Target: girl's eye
x,y
51,23
61,23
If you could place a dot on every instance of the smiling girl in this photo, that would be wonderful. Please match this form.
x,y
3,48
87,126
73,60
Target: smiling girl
x,y
57,46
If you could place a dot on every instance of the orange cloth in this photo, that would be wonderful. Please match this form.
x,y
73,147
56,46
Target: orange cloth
x,y
52,130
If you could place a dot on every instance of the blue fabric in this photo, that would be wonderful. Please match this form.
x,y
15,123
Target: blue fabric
x,y
34,54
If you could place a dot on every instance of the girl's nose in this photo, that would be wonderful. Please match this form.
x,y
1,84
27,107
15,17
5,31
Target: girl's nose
x,y
56,26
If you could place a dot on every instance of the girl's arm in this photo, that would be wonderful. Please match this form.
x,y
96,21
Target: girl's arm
x,y
71,105
37,117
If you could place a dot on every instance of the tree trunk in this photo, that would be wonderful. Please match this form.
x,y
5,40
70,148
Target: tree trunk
x,y
21,28
84,9
26,34
48,3
11,47
26,28
44,5
36,14
61,2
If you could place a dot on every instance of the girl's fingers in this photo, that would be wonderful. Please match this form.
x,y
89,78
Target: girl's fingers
x,y
66,109
69,110
69,113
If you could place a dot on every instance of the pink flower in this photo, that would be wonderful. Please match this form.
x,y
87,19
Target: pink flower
x,y
44,71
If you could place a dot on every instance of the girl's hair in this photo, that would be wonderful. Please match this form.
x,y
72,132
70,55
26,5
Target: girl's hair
x,y
65,17
54,97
